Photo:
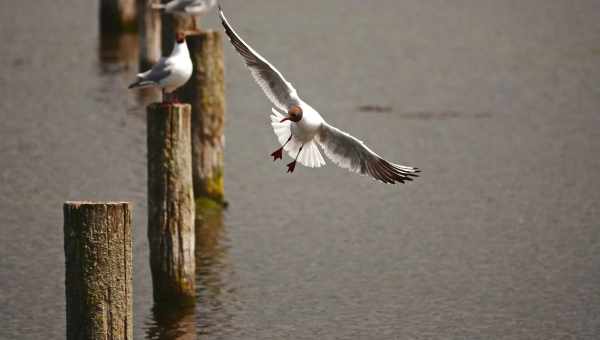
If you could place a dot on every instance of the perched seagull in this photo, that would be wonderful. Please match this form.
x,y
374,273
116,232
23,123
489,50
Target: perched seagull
x,y
169,73
193,8
302,128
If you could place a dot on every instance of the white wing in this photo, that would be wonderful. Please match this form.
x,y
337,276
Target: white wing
x,y
278,90
351,153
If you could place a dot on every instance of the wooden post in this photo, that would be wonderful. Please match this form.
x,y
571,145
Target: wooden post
x,y
117,15
98,281
149,27
171,24
206,92
171,203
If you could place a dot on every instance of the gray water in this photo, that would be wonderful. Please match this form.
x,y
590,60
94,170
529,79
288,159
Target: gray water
x,y
497,101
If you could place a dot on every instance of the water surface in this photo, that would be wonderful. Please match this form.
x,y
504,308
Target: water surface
x,y
497,101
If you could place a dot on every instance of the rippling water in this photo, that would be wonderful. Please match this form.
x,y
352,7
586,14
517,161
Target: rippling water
x,y
497,101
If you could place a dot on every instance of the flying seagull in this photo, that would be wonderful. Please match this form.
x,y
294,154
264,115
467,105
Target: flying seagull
x,y
193,8
169,73
299,127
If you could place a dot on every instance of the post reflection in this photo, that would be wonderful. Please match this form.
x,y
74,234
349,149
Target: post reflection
x,y
172,323
118,51
216,297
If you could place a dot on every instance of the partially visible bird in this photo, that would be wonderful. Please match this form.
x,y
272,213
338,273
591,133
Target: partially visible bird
x,y
300,128
193,8
169,73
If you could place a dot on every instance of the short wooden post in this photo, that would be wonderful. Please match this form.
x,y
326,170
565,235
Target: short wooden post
x,y
171,202
98,283
206,92
149,26
117,15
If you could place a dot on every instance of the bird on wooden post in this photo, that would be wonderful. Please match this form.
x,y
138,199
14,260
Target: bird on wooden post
x,y
193,8
300,128
169,73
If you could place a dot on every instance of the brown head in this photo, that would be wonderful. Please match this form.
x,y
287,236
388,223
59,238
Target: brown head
x,y
294,114
180,37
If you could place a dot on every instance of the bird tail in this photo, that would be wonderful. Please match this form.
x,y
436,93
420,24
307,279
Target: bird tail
x,y
310,155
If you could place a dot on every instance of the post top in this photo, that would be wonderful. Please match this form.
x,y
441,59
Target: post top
x,y
170,106
91,203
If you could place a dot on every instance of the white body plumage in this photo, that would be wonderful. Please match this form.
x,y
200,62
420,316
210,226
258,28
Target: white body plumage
x,y
169,73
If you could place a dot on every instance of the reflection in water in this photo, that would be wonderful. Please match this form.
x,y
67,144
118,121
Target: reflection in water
x,y
216,301
172,323
216,298
118,52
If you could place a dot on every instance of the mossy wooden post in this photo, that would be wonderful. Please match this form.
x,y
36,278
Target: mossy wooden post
x,y
206,92
117,16
98,282
149,27
171,203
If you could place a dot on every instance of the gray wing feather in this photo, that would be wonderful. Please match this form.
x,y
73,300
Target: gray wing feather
x,y
160,71
197,7
193,7
279,91
176,6
351,153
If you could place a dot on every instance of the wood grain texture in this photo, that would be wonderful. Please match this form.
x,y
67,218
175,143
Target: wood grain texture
x,y
171,202
98,282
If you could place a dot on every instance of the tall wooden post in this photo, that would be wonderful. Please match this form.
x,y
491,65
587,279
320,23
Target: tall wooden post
x,y
206,92
171,24
171,203
117,15
149,28
98,282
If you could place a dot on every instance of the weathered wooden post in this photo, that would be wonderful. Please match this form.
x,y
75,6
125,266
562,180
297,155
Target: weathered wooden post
x,y
206,92
117,15
149,28
171,202
98,283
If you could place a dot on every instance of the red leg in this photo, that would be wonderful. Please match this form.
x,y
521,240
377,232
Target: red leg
x,y
278,154
165,98
291,166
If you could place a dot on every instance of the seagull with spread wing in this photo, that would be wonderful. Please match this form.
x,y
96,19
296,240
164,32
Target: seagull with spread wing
x,y
300,128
